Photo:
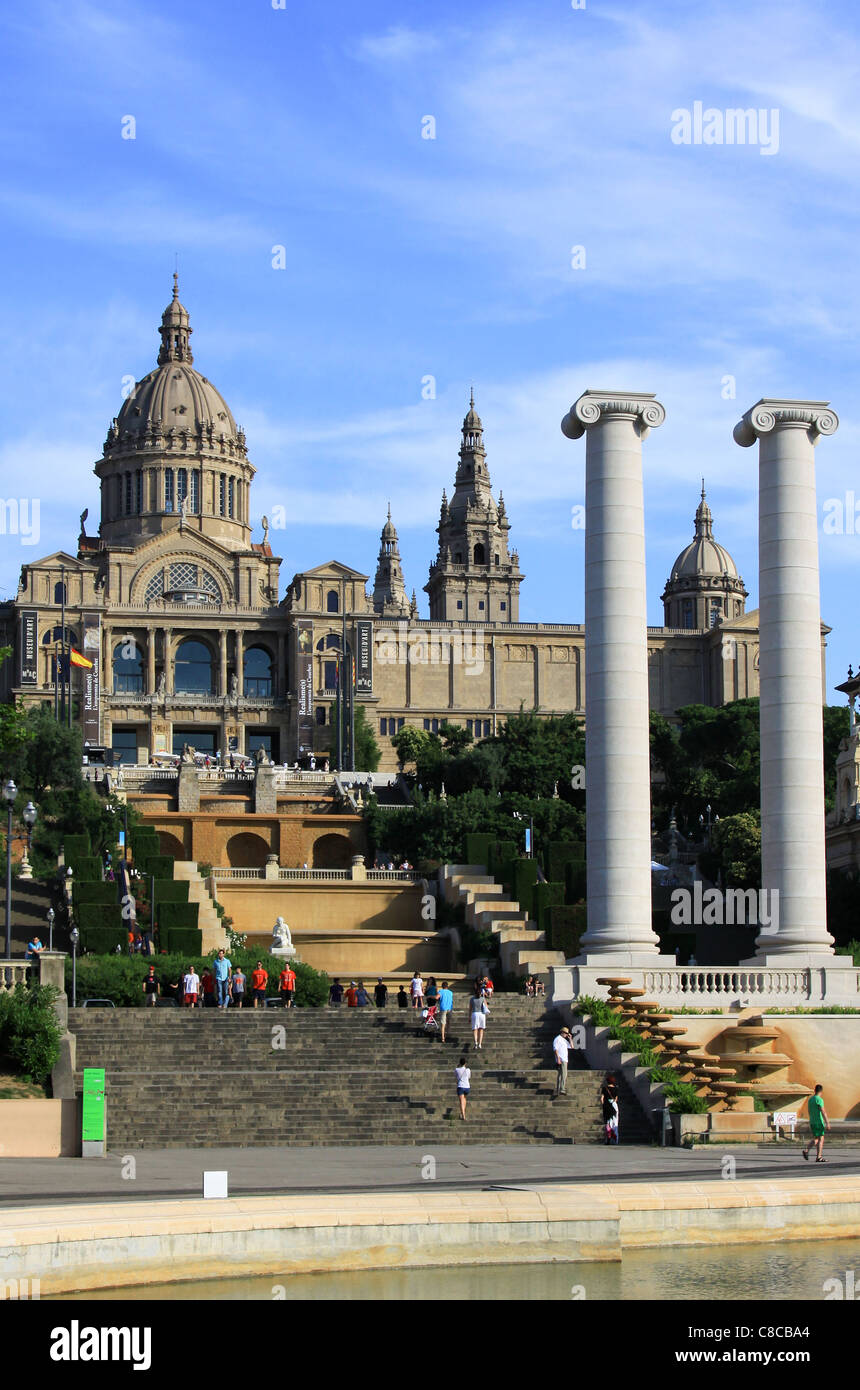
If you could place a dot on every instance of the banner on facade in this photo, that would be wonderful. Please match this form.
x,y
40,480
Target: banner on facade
x,y
28,673
303,699
364,657
90,682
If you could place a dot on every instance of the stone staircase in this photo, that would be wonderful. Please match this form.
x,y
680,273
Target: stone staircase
x,y
214,935
178,1078
522,948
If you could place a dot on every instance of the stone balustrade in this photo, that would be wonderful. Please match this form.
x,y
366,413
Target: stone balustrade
x,y
721,986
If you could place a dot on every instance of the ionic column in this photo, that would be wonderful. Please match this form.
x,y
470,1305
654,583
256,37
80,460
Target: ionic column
x,y
107,665
790,701
281,672
617,755
150,661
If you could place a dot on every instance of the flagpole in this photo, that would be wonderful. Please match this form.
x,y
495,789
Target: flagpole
x,y
61,674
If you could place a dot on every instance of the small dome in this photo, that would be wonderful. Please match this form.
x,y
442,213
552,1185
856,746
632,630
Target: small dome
x,y
704,555
472,420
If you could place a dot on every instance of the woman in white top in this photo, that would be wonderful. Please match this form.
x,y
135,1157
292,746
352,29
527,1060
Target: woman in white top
x,y
478,1020
463,1076
417,991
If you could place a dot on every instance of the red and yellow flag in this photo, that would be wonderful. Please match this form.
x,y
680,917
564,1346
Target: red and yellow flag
x,y
78,659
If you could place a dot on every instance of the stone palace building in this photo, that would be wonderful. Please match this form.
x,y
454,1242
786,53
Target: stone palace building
x,y
194,641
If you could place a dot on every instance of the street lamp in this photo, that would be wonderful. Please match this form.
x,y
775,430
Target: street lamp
x,y
74,937
530,833
29,815
10,791
50,914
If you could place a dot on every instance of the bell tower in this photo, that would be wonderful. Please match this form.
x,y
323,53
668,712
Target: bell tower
x,y
475,577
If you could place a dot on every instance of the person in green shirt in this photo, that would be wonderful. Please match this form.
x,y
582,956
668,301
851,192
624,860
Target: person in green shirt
x,y
818,1121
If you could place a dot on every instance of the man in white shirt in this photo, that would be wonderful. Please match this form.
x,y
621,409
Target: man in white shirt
x,y
561,1048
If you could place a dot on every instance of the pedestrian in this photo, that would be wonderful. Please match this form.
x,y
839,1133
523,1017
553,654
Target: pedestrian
x,y
402,998
561,1047
817,1122
362,998
288,986
432,995
191,987
259,980
207,988
150,987
478,1020
417,990
34,948
222,968
380,994
464,1078
609,1105
352,995
446,1004
237,988
335,994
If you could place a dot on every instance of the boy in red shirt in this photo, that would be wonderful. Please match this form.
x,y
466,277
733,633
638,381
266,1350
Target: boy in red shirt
x,y
259,980
288,986
352,996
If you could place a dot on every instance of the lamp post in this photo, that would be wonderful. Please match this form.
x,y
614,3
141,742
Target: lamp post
x,y
50,914
702,823
29,815
74,937
530,833
10,791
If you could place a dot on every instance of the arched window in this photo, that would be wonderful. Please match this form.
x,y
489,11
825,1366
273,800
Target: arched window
x,y
478,554
127,668
56,634
193,668
257,671
61,592
332,601
168,490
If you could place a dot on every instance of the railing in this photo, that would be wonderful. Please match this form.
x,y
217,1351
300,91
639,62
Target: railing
x,y
327,875
393,876
236,873
13,973
285,776
317,875
701,985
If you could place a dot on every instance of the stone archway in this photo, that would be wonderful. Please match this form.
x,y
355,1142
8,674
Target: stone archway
x,y
332,852
247,851
171,845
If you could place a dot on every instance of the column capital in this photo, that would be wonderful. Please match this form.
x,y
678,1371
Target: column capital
x,y
642,407
767,415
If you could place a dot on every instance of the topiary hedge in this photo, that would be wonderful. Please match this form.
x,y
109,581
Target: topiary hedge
x,y
94,893
560,853
120,978
181,941
161,865
76,847
177,916
170,890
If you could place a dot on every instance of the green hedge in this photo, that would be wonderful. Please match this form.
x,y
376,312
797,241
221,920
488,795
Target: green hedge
x,y
144,839
87,870
566,925
181,941
574,881
99,940
544,897
76,847
96,892
120,978
92,916
177,916
560,853
170,890
161,865
502,853
30,1031
523,881
478,848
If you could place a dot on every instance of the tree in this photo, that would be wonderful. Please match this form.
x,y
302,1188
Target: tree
x,y
409,743
367,753
736,841
454,737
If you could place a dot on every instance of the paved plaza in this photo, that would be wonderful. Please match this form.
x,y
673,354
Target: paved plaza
x,y
176,1172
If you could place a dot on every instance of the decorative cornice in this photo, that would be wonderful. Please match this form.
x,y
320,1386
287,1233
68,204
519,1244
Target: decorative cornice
x,y
767,415
594,405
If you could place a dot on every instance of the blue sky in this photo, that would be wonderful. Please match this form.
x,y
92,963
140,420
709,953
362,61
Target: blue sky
x,y
449,257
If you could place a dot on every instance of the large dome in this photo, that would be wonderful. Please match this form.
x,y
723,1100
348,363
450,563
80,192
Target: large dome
x,y
175,397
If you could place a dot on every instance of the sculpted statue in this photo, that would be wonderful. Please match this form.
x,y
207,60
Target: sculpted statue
x,y
162,684
281,935
265,530
84,514
234,686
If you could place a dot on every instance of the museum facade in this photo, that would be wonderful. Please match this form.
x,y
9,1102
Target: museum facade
x,y
190,639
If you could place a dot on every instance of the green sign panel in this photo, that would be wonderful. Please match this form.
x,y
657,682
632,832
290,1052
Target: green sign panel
x,y
94,1105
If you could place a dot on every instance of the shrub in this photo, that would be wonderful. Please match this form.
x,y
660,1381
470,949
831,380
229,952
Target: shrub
x,y
76,847
574,880
545,896
170,890
566,927
94,892
30,1031
88,870
177,916
100,940
475,943
523,881
161,865
92,916
478,848
181,941
120,978
681,1095
560,853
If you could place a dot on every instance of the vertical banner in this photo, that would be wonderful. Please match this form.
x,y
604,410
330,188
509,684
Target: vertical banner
x,y
28,673
91,679
364,657
303,701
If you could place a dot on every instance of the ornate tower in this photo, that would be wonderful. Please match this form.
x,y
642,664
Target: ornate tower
x,y
474,577
705,587
389,590
174,457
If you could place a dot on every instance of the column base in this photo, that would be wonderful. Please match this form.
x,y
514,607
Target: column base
x,y
799,960
620,960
